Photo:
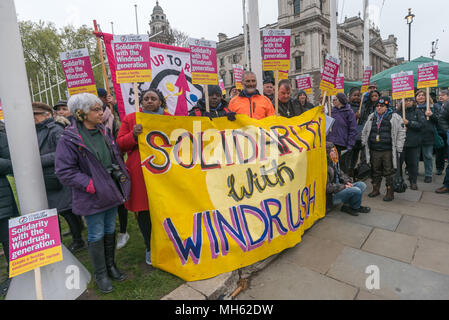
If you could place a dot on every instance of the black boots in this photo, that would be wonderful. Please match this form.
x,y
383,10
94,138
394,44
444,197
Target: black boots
x,y
375,192
97,258
390,194
102,254
109,249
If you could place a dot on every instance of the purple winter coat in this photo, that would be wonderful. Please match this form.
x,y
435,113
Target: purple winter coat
x,y
76,165
344,131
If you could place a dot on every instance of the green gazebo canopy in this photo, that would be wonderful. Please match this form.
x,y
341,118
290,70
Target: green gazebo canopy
x,y
383,79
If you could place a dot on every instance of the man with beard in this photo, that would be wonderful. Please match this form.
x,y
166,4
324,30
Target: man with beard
x,y
288,107
250,101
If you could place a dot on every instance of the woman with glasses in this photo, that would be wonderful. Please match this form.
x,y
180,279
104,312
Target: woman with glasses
x,y
88,160
152,102
383,137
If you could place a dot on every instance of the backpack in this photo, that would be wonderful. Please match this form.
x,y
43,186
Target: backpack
x,y
399,186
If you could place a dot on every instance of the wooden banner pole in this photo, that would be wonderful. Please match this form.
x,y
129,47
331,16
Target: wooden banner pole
x,y
38,284
329,106
403,108
276,91
206,95
103,66
428,99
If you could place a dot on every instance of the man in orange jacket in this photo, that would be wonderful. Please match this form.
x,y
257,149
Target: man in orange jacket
x,y
250,101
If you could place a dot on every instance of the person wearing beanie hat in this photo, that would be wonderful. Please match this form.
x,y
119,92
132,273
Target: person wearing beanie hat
x,y
383,137
339,187
303,101
344,131
218,107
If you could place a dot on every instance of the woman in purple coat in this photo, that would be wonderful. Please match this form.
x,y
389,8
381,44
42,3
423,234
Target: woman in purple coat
x,y
344,131
88,160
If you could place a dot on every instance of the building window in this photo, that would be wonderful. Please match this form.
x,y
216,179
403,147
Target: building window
x,y
323,38
232,76
297,40
221,62
298,63
235,58
296,6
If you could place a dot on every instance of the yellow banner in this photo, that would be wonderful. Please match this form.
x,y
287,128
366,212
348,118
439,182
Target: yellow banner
x,y
226,194
35,260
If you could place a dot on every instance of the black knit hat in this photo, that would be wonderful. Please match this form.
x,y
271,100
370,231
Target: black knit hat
x,y
214,89
342,98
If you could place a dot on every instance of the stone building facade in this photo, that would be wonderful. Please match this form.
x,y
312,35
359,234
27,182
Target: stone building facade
x,y
309,21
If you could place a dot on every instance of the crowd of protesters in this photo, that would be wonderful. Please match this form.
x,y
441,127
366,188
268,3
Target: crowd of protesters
x,y
83,146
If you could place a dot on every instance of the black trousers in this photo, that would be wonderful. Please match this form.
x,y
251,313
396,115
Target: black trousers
x,y
440,155
144,222
345,159
409,156
382,166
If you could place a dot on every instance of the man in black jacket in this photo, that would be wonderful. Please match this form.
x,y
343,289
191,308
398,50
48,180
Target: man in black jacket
x,y
288,107
218,107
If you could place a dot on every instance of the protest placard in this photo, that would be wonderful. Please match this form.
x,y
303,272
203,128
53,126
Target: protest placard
x,y
304,82
339,84
276,56
78,71
428,75
222,86
203,59
367,73
238,76
402,85
133,61
329,75
283,75
34,241
276,50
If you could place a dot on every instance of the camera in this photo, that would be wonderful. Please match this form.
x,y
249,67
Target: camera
x,y
117,174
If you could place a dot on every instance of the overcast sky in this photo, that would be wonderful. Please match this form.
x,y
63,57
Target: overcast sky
x,y
207,18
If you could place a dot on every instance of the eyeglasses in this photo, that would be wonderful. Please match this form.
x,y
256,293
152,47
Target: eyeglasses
x,y
40,113
97,109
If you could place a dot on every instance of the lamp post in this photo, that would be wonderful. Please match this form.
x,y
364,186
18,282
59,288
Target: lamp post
x,y
409,19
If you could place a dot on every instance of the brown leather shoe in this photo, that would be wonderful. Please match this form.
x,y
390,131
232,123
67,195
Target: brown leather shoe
x,y
443,189
390,194
413,186
375,192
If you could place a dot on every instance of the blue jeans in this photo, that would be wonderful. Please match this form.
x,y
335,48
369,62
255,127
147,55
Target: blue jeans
x,y
427,154
350,196
101,223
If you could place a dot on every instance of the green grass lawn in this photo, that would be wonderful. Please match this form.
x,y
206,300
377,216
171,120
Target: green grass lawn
x,y
143,282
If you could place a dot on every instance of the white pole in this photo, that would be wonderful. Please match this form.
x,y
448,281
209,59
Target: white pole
x,y
49,88
245,34
26,162
333,29
31,88
254,39
57,81
366,53
45,88
39,88
137,24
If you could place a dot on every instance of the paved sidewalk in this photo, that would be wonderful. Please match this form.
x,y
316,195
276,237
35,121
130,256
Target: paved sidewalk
x,y
407,240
